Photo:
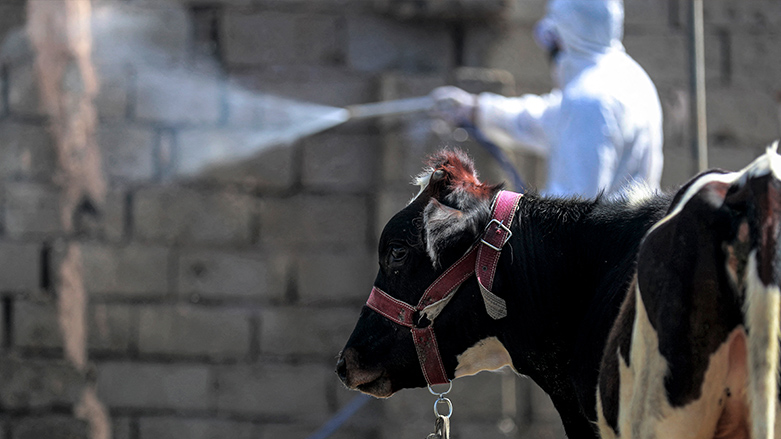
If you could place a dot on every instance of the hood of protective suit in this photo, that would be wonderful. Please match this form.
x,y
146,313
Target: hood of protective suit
x,y
588,27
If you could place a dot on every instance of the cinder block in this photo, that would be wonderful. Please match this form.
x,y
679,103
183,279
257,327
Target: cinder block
x,y
411,412
36,325
475,399
31,209
112,216
112,100
526,11
38,384
251,157
23,95
205,428
275,38
306,220
194,331
21,264
27,151
140,33
318,39
664,55
153,386
755,15
178,96
347,163
742,116
12,17
639,13
486,430
121,427
376,43
50,427
293,392
187,216
108,223
544,430
289,330
260,38
127,152
111,327
287,94
510,48
219,275
325,277
133,270
755,60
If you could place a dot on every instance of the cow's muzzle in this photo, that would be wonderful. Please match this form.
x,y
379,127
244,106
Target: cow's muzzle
x,y
372,381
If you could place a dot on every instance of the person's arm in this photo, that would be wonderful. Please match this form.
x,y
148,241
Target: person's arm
x,y
523,122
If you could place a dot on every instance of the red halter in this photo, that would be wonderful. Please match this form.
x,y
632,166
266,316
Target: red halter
x,y
482,259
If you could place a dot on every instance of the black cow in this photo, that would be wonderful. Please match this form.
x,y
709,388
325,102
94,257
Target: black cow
x,y
558,286
694,352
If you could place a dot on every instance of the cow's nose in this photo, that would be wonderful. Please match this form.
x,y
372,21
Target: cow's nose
x,y
341,369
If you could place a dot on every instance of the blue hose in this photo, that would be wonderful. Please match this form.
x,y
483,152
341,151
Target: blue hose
x,y
340,417
498,155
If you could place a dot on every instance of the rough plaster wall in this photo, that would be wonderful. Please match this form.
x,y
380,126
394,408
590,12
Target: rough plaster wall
x,y
217,303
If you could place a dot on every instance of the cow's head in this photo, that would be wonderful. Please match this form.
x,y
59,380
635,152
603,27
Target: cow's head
x,y
417,245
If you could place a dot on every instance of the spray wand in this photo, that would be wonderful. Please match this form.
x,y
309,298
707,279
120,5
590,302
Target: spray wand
x,y
426,103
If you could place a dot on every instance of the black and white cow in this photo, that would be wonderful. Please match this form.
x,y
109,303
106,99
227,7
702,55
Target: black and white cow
x,y
562,276
694,352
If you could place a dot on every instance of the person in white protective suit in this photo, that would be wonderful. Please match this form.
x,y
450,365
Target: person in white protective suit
x,y
601,128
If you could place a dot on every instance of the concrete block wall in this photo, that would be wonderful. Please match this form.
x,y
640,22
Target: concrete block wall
x,y
218,297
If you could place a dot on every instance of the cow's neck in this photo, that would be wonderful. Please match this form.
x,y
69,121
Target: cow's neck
x,y
569,271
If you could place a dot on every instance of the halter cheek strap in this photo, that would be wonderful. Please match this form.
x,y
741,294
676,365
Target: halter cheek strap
x,y
482,259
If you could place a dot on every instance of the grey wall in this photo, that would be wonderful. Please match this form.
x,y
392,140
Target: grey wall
x,y
218,300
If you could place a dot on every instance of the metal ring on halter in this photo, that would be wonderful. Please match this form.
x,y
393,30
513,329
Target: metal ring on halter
x,y
440,394
449,407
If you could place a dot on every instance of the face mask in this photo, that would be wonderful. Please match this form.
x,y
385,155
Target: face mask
x,y
546,36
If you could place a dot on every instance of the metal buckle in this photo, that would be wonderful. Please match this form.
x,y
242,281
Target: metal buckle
x,y
507,229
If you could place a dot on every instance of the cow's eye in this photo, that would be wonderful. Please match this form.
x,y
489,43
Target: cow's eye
x,y
397,254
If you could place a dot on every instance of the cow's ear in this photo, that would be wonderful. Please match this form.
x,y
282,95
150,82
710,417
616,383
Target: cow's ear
x,y
445,226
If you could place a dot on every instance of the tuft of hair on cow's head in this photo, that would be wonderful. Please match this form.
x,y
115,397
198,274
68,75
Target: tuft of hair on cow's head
x,y
457,203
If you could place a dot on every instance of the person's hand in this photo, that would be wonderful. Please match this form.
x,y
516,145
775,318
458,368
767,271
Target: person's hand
x,y
453,105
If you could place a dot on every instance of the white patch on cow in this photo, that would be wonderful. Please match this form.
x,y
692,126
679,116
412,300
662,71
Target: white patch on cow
x,y
762,320
421,180
486,354
770,162
645,412
605,431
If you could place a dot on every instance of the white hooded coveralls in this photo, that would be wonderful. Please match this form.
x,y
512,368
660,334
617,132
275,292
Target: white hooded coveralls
x,y
602,128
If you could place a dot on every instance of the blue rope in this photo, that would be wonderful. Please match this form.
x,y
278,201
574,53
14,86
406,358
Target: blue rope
x,y
340,417
498,155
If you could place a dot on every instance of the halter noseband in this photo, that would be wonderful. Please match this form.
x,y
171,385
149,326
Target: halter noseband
x,y
481,259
